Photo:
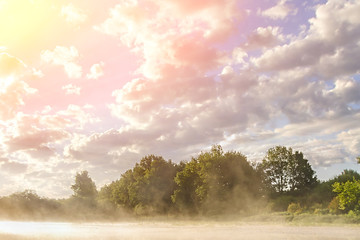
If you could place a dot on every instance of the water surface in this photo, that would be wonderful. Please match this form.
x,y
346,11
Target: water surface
x,y
175,230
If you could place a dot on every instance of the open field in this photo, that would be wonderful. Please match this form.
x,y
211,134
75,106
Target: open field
x,y
176,230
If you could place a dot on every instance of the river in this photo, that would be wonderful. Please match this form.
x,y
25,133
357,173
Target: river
x,y
173,230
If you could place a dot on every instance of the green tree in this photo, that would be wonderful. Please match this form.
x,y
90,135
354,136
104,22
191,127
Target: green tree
x,y
28,205
323,191
358,159
187,195
84,188
286,171
348,194
216,182
147,188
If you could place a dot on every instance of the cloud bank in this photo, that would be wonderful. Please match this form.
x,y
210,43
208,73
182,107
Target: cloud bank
x,y
174,77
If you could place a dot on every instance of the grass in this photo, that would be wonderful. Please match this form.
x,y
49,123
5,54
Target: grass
x,y
305,219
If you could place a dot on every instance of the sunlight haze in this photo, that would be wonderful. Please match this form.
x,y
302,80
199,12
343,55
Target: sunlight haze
x,y
97,85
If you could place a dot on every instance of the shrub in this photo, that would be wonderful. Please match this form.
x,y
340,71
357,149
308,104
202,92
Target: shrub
x,y
334,206
294,208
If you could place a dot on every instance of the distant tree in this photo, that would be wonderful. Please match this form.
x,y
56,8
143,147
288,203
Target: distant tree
x,y
188,193
302,175
84,188
323,192
358,159
123,193
286,171
28,205
159,182
104,198
346,175
348,194
146,188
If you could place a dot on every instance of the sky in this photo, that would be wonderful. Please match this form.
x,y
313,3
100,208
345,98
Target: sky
x,y
97,85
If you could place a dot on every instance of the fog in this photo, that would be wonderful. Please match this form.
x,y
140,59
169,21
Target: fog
x,y
174,230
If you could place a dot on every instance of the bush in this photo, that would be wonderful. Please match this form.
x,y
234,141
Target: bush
x,y
348,195
321,211
334,206
281,203
294,208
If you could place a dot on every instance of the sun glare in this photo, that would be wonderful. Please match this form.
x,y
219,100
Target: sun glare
x,y
22,20
5,83
32,228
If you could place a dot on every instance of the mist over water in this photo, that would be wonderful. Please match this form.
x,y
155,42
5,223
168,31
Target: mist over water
x,y
174,230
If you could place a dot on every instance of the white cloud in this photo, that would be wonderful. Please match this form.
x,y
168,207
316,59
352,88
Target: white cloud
x,y
351,141
73,15
71,89
279,11
264,38
13,88
190,30
96,71
31,147
191,94
66,57
325,47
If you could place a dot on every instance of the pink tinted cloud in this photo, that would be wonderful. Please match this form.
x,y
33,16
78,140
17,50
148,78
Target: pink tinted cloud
x,y
13,88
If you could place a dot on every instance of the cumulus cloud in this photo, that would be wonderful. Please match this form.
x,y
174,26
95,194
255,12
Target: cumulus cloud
x,y
66,57
326,44
13,88
280,11
32,146
264,38
96,71
188,36
12,167
41,134
191,93
351,140
71,89
207,72
35,140
73,15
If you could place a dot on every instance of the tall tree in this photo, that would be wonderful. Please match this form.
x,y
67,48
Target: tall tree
x,y
286,171
216,182
84,187
147,187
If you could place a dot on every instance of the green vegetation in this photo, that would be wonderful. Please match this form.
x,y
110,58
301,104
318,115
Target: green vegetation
x,y
348,195
213,184
286,171
216,183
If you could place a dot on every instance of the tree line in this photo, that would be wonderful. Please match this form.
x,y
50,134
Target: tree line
x,y
211,184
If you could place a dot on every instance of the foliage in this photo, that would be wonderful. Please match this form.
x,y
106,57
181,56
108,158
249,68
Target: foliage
x,y
281,202
323,191
216,182
213,183
348,194
346,175
334,206
84,189
189,190
147,187
27,204
84,186
294,208
287,171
